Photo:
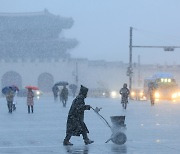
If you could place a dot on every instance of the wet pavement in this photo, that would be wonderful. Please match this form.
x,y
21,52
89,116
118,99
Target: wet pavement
x,y
150,129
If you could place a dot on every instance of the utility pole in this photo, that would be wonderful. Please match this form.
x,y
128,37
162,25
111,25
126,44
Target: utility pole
x,y
130,69
139,71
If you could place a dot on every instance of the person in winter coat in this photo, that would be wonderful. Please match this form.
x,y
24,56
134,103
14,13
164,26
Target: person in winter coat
x,y
55,90
64,96
124,92
10,97
30,101
151,91
75,122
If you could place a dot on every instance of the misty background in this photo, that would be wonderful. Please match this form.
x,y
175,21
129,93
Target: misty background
x,y
102,26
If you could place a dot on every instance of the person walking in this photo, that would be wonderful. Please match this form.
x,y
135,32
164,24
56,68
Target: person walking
x,y
55,91
124,92
64,96
30,101
9,99
75,123
151,91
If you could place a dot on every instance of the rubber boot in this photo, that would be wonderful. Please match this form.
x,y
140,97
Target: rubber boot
x,y
66,140
67,143
32,109
28,109
86,139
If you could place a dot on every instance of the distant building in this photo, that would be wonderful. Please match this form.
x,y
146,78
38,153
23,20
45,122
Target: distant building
x,y
34,35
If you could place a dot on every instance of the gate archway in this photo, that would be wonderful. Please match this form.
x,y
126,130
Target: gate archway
x,y
11,78
45,82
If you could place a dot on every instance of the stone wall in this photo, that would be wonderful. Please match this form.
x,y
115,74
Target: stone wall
x,y
93,74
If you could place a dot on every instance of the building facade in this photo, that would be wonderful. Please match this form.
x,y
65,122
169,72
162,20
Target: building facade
x,y
34,36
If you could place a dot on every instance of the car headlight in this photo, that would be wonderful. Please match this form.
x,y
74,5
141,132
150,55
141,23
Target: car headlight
x,y
113,94
37,92
157,95
178,93
141,94
133,93
174,95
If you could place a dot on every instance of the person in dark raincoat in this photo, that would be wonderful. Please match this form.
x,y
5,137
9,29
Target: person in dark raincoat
x,y
64,96
75,122
151,91
55,90
124,92
10,97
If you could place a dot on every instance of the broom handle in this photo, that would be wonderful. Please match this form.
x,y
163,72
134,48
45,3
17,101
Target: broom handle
x,y
102,118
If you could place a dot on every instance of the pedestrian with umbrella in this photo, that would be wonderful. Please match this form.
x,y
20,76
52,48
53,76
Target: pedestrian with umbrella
x,y
64,96
55,91
63,93
75,122
30,98
9,93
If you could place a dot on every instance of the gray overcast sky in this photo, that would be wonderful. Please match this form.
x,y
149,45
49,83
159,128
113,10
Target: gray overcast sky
x,y
102,26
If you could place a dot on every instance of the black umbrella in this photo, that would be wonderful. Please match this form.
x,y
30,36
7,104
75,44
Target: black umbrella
x,y
61,83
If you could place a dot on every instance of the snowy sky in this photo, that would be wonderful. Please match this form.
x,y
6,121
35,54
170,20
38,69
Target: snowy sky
x,y
102,26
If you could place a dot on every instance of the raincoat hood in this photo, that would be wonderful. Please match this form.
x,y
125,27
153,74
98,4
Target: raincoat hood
x,y
83,91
